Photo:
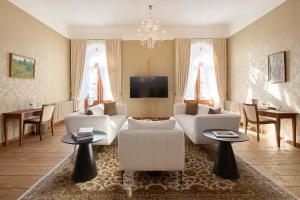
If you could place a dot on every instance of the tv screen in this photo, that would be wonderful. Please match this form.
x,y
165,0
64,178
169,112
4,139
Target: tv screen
x,y
149,87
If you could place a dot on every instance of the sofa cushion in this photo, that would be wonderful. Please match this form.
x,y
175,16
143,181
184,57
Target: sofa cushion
x,y
191,108
202,109
110,108
215,111
151,125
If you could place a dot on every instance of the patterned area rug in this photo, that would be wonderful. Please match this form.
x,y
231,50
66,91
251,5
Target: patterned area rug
x,y
198,181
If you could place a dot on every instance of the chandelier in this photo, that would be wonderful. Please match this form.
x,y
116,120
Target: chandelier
x,y
150,32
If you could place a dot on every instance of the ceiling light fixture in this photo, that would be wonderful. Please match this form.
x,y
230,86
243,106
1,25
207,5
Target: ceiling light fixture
x,y
150,32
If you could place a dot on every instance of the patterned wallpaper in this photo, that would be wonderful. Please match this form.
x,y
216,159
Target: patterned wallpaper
x,y
24,35
277,31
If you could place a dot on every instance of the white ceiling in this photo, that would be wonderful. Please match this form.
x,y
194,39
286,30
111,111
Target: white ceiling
x,y
121,18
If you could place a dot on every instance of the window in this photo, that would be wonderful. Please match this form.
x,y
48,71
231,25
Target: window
x,y
201,86
95,84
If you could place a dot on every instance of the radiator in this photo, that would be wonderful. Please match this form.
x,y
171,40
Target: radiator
x,y
62,109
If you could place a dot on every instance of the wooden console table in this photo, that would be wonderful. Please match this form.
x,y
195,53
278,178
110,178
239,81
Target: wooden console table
x,y
20,115
278,115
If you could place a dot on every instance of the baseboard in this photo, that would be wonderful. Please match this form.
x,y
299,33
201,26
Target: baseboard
x,y
291,142
58,123
26,135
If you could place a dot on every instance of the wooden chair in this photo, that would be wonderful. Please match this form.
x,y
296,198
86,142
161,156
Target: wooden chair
x,y
45,117
251,115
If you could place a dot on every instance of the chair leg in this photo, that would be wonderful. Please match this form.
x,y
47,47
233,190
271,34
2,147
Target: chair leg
x,y
40,131
36,129
246,126
52,127
180,173
122,176
23,128
257,129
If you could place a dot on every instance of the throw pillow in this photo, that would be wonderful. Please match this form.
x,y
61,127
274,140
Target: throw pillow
x,y
202,109
97,109
214,111
110,108
89,112
191,109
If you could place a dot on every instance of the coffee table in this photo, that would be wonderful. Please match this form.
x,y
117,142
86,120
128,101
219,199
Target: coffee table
x,y
225,165
85,166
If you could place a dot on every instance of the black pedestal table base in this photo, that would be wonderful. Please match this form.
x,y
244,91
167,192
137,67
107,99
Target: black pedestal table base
x,y
225,164
85,166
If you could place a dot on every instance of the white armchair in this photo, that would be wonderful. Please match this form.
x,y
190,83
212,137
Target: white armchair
x,y
108,124
150,149
194,125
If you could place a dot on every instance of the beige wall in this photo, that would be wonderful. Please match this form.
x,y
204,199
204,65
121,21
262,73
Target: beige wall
x,y
24,35
134,63
277,31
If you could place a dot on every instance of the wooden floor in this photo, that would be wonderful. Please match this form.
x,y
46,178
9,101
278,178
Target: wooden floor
x,y
282,165
21,167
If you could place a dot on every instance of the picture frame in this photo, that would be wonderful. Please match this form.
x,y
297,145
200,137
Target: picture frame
x,y
277,67
21,66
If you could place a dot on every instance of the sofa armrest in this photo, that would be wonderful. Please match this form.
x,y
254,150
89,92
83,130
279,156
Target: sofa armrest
x,y
98,122
121,109
225,120
179,108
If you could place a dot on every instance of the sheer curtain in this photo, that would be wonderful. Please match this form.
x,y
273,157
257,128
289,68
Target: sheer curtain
x,y
202,57
182,62
113,55
95,59
220,59
78,51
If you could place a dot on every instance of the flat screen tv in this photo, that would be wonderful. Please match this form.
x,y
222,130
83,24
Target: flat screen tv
x,y
149,87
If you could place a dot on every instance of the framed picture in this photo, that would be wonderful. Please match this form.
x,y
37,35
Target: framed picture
x,y
21,66
277,67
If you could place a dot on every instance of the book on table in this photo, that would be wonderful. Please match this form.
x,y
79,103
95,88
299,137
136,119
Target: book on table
x,y
83,134
225,134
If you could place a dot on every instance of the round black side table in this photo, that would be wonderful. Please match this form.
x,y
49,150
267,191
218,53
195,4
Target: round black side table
x,y
85,166
225,165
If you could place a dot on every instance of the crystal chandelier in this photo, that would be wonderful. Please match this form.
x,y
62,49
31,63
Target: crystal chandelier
x,y
150,32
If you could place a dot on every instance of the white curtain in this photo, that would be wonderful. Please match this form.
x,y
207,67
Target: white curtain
x,y
113,55
78,51
220,60
95,57
202,57
182,62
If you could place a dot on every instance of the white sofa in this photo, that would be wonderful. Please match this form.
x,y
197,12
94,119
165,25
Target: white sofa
x,y
194,125
151,146
108,124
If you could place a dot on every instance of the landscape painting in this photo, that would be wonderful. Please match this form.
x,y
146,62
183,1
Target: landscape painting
x,y
21,66
277,68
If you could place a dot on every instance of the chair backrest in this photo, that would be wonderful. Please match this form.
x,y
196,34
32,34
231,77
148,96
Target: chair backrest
x,y
250,111
47,112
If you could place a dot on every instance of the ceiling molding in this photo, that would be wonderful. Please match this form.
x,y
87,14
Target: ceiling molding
x,y
131,33
121,18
